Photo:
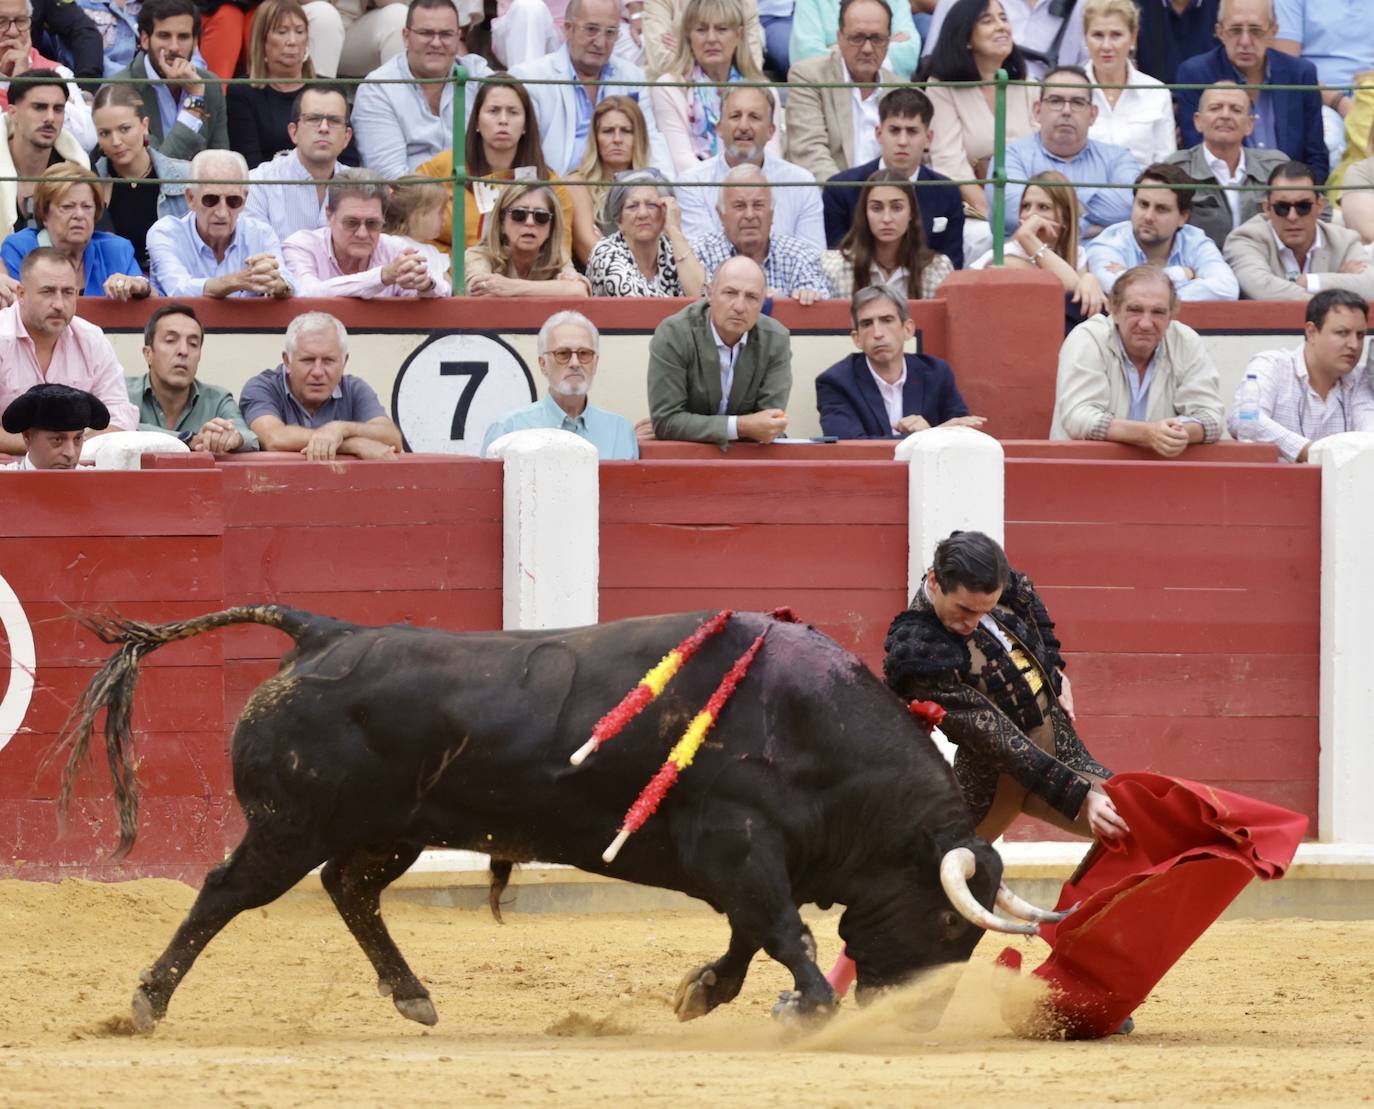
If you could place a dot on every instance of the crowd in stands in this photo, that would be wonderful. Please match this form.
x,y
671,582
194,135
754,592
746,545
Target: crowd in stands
x,y
725,151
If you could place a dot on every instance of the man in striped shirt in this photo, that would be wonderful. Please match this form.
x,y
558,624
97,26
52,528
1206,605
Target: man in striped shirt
x,y
320,131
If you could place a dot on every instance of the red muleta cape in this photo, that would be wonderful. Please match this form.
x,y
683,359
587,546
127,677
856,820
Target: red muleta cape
x,y
1145,900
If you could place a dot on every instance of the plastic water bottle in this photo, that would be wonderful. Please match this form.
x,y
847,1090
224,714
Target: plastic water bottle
x,y
1247,410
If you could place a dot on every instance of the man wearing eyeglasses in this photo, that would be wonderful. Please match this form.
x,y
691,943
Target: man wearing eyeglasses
x,y
1064,114
569,346
1286,252
831,129
1318,388
565,111
18,53
214,250
320,132
1287,120
401,125
816,22
350,257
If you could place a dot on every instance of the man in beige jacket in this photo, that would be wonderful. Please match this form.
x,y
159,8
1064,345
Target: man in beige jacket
x,y
1286,252
1138,376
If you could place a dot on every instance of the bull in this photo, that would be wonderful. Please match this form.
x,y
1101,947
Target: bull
x,y
372,743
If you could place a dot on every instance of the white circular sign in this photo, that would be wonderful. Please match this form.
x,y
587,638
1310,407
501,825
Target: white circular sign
x,y
453,386
23,662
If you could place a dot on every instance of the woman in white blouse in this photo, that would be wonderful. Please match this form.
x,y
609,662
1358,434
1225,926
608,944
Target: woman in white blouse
x,y
1141,116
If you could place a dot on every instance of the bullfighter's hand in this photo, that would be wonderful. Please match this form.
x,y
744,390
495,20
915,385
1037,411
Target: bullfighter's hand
x,y
1066,696
1103,819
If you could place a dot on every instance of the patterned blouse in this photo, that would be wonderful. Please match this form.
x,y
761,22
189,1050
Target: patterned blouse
x,y
839,271
613,271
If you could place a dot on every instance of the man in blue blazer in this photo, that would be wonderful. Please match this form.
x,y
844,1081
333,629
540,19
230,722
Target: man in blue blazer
x,y
884,393
904,117
1287,121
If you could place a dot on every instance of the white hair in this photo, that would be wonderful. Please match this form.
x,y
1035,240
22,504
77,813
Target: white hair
x,y
748,175
311,322
1225,4
232,165
570,319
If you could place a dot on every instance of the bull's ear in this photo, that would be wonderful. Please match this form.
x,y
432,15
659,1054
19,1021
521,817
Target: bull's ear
x,y
952,925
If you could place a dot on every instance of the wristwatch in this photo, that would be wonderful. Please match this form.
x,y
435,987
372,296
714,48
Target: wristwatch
x,y
196,106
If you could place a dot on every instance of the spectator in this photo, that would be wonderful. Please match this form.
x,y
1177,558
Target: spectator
x,y
1047,34
170,397
1357,199
523,251
524,30
416,211
318,132
350,257
815,26
663,35
116,23
1225,118
42,340
501,138
886,244
718,369
1158,234
18,54
975,43
1172,31
712,53
126,161
1285,120
830,129
1140,116
621,146
882,392
569,347
747,122
564,112
791,266
398,126
904,117
308,404
67,204
34,140
1319,387
648,256
1047,238
1064,113
214,250
61,31
51,420
353,37
189,116
1287,253
1138,376
1335,37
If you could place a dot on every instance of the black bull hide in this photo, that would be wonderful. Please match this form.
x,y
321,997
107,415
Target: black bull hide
x,y
370,744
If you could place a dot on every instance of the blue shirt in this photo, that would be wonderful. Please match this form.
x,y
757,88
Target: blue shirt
x,y
1337,36
268,394
105,256
582,97
611,435
1095,163
1191,248
182,262
1138,383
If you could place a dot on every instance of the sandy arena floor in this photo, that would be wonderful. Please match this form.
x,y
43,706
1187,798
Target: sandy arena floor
x,y
574,1010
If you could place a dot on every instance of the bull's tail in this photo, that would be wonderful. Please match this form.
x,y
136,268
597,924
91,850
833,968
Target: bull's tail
x,y
112,689
500,878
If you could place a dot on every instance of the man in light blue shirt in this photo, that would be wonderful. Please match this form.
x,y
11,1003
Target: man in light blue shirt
x,y
1158,234
214,250
1064,114
569,346
319,129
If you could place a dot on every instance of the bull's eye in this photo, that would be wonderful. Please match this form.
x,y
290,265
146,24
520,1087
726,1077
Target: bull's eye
x,y
951,924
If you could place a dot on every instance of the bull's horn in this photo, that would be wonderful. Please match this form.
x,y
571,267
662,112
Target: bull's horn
x,y
1022,909
956,868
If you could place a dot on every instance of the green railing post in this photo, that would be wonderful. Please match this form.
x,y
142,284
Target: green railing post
x,y
999,168
458,232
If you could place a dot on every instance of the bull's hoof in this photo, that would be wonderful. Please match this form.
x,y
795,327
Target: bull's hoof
x,y
694,996
418,1009
383,987
145,1013
792,1010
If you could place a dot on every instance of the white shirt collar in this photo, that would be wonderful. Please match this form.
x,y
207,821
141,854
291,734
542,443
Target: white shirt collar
x,y
722,345
1221,170
1288,258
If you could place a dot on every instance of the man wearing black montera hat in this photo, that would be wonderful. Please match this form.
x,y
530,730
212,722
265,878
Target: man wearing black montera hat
x,y
53,420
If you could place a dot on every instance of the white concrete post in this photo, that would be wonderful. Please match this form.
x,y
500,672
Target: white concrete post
x,y
1346,766
552,525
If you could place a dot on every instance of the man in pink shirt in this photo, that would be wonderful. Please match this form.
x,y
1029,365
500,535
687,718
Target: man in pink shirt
x,y
350,257
41,340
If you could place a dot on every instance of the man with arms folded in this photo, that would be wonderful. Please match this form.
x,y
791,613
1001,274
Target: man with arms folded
x,y
718,369
1319,387
51,420
883,392
171,399
569,346
1138,376
309,404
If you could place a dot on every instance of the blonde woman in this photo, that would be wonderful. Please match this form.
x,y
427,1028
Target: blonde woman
x,y
662,20
711,52
1139,117
279,64
622,144
523,254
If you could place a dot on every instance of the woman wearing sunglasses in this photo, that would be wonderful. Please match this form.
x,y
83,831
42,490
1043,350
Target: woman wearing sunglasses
x,y
648,256
523,251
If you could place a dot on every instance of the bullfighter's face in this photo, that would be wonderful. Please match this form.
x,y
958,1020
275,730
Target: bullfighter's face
x,y
960,609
